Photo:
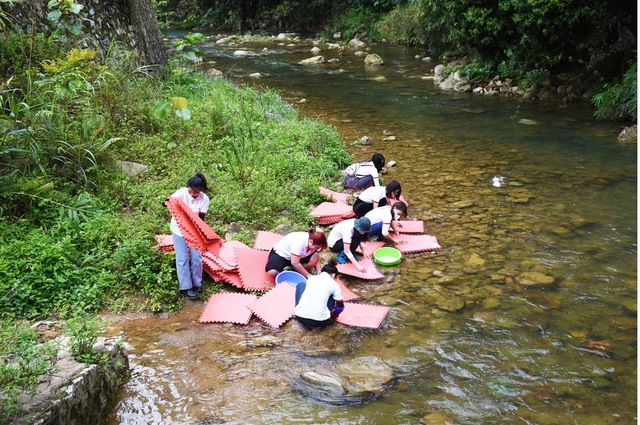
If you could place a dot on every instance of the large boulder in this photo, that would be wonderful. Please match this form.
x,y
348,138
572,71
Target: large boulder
x,y
353,382
373,59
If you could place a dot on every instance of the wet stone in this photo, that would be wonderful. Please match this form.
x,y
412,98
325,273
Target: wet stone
x,y
535,279
354,382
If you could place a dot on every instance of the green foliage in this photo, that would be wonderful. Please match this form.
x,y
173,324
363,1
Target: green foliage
x,y
360,20
67,14
403,25
23,360
84,330
188,47
618,100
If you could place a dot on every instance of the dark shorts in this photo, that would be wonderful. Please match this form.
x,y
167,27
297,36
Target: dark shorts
x,y
276,262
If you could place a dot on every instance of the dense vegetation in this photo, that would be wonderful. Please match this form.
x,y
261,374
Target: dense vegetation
x,y
76,232
590,42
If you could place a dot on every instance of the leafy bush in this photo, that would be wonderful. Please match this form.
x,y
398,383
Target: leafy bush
x,y
403,25
618,100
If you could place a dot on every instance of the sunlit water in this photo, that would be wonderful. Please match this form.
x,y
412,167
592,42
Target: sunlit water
x,y
508,187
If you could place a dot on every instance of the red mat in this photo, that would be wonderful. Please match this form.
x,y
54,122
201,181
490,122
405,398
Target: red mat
x,y
232,278
228,307
416,243
370,246
276,306
332,212
336,196
164,242
227,255
371,273
251,263
363,315
411,226
266,240
195,231
347,294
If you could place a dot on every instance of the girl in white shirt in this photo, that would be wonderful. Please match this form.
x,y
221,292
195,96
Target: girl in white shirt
x,y
319,300
299,250
361,175
376,196
384,218
189,260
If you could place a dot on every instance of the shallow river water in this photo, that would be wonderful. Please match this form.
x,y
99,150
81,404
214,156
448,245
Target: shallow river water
x,y
508,187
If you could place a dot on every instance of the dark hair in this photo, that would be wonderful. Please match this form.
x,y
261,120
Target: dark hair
x,y
318,237
330,267
391,187
399,206
198,182
378,161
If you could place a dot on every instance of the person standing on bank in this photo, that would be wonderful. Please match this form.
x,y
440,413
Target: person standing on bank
x,y
189,260
299,250
319,300
361,175
346,237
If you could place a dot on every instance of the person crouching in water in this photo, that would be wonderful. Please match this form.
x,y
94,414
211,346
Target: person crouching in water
x,y
299,250
319,301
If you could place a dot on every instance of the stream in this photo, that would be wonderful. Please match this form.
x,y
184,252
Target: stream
x,y
510,188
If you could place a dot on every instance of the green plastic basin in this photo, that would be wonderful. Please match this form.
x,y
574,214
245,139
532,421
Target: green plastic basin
x,y
387,256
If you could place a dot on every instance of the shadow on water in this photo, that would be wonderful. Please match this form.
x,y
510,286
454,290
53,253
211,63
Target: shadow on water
x,y
468,343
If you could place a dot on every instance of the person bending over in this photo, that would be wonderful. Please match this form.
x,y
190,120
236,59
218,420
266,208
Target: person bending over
x,y
376,196
346,237
319,300
361,175
299,250
385,218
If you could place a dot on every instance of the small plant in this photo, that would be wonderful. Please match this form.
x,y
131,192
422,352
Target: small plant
x,y
162,108
188,46
66,12
84,331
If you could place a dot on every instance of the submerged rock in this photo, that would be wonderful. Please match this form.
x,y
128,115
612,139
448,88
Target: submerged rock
x,y
535,279
316,60
354,382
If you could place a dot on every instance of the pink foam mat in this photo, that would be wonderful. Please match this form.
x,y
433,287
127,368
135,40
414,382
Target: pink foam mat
x,y
266,240
371,246
363,315
227,254
203,228
276,306
336,196
347,294
331,209
411,226
371,272
232,278
251,263
228,307
416,243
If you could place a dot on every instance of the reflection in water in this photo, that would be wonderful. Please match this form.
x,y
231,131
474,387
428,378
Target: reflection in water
x,y
468,342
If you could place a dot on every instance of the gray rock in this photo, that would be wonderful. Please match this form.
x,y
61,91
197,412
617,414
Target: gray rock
x,y
132,169
316,60
373,59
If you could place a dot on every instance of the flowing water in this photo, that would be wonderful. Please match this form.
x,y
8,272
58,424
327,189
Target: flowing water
x,y
509,188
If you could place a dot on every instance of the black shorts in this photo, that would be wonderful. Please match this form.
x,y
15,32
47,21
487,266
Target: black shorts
x,y
276,262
